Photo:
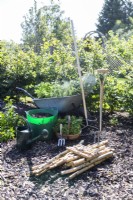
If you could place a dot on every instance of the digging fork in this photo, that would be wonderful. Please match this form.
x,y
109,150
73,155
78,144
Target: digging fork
x,y
61,141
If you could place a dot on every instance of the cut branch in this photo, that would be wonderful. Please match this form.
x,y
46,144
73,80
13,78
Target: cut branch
x,y
104,156
78,158
89,166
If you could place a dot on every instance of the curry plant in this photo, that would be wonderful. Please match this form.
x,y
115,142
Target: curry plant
x,y
65,88
73,128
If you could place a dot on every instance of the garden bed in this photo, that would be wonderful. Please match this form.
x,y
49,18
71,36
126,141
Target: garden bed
x,y
111,179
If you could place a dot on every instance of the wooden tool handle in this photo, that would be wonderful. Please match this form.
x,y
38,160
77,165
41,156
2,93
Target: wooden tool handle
x,y
101,103
61,130
69,121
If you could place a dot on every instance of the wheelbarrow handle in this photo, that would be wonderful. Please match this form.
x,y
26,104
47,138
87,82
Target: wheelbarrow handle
x,y
27,93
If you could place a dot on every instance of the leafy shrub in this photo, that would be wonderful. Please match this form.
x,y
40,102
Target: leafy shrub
x,y
73,128
8,120
113,121
127,98
61,89
118,94
113,94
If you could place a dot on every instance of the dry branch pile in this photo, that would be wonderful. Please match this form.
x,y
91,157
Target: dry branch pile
x,y
77,159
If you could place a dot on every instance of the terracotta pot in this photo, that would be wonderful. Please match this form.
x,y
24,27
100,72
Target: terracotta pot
x,y
69,137
73,137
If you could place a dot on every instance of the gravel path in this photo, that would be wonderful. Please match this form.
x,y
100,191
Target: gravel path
x,y
110,180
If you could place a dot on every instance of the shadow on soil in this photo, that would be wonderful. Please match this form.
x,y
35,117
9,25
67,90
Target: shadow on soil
x,y
50,149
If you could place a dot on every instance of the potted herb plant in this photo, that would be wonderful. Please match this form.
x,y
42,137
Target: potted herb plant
x,y
71,127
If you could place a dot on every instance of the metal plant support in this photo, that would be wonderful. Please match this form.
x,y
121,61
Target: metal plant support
x,y
114,62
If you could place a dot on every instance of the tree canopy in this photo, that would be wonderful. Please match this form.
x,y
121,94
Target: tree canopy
x,y
44,23
115,14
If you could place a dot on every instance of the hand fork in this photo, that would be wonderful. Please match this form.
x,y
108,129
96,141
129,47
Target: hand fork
x,y
61,141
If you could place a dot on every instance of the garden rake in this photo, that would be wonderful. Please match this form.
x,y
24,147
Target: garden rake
x,y
61,140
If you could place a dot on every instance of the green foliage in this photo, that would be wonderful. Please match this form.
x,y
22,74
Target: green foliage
x,y
91,55
112,11
122,30
119,54
55,63
57,89
127,98
89,81
43,90
113,120
118,93
73,128
113,93
44,23
61,89
92,100
8,121
18,68
64,122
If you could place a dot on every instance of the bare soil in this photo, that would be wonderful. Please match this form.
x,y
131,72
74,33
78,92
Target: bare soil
x,y
110,180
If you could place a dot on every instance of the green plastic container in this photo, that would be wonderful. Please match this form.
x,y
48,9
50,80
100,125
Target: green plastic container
x,y
40,124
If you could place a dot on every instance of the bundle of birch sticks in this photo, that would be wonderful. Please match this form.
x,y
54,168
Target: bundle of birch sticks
x,y
76,159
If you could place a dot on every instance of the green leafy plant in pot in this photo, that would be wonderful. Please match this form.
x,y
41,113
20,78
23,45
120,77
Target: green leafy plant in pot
x,y
71,127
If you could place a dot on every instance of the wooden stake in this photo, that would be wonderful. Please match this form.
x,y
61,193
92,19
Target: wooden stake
x,y
84,155
76,156
87,168
101,75
83,160
51,160
109,154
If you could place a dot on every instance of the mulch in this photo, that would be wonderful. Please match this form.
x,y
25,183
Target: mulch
x,y
111,180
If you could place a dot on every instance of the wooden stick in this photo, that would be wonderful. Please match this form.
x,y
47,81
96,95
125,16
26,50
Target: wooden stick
x,y
51,166
61,161
55,163
49,161
74,157
79,72
82,160
66,157
91,146
100,143
77,152
97,145
87,168
52,159
101,72
85,153
65,152
93,150
39,173
87,163
47,165
101,104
